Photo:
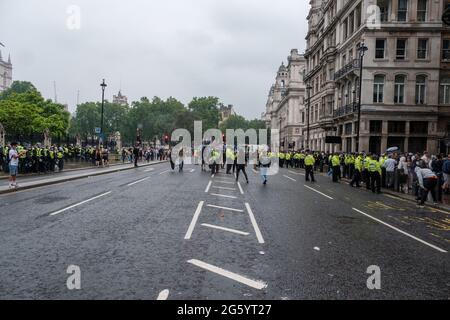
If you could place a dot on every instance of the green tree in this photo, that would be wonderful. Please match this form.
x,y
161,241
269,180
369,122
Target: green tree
x,y
205,109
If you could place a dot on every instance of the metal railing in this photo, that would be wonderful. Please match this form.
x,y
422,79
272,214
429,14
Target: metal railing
x,y
349,67
345,110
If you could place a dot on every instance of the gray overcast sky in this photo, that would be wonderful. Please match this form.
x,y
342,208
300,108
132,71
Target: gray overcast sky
x,y
181,48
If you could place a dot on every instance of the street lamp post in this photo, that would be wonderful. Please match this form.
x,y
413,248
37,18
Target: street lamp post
x,y
362,50
103,85
308,88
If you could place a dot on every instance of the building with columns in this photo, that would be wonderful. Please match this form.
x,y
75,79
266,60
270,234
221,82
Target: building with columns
x,y
5,73
405,100
285,108
120,99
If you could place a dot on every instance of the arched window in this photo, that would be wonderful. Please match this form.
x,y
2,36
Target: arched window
x,y
421,82
378,88
399,89
444,93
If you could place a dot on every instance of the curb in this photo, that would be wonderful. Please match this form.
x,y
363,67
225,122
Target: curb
x,y
93,174
34,174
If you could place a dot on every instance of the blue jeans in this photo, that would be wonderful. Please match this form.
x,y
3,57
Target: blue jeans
x,y
263,173
13,170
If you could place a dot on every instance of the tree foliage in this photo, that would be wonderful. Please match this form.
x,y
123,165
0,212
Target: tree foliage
x,y
23,111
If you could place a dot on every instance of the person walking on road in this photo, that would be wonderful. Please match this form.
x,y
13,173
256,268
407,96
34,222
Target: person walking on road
x,y
389,165
336,166
264,164
241,164
356,180
309,166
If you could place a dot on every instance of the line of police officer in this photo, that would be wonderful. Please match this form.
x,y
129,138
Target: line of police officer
x,y
39,159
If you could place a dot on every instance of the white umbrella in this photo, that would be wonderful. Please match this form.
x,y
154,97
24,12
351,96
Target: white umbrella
x,y
392,149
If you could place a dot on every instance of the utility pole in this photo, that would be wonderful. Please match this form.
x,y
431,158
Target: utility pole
x,y
103,85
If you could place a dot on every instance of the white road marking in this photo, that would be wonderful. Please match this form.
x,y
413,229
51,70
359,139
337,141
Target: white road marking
x,y
240,188
224,188
255,225
208,186
226,182
138,181
228,274
212,176
151,169
194,220
224,208
222,195
79,203
401,231
192,170
164,171
298,173
225,178
163,295
318,192
289,177
225,229
317,248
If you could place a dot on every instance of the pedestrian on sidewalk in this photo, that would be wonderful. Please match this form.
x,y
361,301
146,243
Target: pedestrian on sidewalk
x,y
13,157
389,164
403,174
427,182
136,154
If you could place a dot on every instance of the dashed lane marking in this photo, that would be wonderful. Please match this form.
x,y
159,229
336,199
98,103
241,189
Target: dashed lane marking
x,y
255,225
225,229
192,170
298,173
224,208
165,171
323,194
289,177
401,231
208,186
148,170
225,182
138,181
163,295
79,203
194,221
222,195
240,188
256,284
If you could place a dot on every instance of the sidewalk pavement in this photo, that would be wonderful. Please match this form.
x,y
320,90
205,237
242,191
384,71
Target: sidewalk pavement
x,y
34,181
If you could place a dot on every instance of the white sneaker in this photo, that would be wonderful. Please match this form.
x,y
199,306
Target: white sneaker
x,y
10,186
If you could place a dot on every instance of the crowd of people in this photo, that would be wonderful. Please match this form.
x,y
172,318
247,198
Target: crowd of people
x,y
413,173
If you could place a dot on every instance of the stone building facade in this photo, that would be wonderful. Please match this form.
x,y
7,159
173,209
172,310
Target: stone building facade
x,y
285,109
120,99
5,73
405,99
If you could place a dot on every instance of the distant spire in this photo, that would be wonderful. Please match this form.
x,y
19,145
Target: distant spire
x,y
1,55
9,58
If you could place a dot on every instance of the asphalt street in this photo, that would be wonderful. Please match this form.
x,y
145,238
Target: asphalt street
x,y
152,232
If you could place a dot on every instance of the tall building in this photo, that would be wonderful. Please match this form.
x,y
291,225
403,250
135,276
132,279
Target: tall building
x,y
5,73
285,109
120,99
405,100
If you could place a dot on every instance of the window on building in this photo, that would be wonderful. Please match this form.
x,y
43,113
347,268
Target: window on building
x,y
402,11
351,23
422,10
344,29
358,16
375,126
444,92
349,93
344,60
399,89
446,49
378,88
348,128
422,49
421,81
384,9
380,48
396,126
401,49
418,127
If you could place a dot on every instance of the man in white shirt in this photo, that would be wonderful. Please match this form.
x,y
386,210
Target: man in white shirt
x,y
390,164
13,158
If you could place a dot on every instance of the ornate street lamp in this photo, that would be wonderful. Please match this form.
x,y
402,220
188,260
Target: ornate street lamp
x,y
362,50
103,85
